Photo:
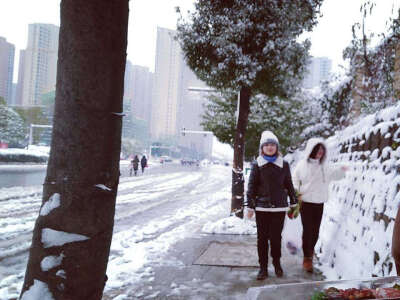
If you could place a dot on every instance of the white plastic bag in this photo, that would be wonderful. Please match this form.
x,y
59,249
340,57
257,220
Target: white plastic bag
x,y
291,235
245,212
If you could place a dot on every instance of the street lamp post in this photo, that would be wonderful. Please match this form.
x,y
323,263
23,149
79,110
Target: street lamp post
x,y
237,200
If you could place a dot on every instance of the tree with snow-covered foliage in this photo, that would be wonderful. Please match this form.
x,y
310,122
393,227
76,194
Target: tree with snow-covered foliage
x,y
336,103
372,67
11,125
286,117
250,47
72,234
328,107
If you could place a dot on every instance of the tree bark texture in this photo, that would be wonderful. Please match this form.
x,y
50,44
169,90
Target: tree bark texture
x,y
396,76
85,150
358,89
238,153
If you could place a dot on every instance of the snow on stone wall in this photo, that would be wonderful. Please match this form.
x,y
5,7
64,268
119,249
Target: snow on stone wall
x,y
356,231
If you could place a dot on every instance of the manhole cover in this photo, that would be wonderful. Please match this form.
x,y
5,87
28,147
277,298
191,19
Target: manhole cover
x,y
229,254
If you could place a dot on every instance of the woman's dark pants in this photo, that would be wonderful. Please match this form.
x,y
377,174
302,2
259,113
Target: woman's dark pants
x,y
269,228
311,216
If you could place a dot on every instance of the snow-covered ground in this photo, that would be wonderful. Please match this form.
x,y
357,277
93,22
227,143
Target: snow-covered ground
x,y
223,152
357,226
153,212
156,211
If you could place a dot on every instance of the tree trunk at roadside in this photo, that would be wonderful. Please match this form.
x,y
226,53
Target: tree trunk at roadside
x,y
85,152
238,153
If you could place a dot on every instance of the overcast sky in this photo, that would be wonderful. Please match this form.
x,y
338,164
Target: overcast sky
x,y
329,38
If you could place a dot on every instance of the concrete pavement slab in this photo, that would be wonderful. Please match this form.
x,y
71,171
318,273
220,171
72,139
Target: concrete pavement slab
x,y
182,277
229,254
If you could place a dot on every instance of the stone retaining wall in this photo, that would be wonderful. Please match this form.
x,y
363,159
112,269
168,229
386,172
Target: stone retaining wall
x,y
356,232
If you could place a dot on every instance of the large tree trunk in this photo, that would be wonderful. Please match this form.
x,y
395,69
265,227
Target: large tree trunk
x,y
238,153
85,152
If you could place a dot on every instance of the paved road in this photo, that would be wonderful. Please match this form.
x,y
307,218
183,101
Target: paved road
x,y
157,237
29,175
137,198
21,175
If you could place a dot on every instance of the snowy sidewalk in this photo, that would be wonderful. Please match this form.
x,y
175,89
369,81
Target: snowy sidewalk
x,y
172,239
208,266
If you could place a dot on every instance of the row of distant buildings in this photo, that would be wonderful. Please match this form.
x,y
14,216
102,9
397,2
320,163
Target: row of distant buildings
x,y
157,105
37,66
162,103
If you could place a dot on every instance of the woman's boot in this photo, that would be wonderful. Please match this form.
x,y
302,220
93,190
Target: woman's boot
x,y
262,274
307,264
278,268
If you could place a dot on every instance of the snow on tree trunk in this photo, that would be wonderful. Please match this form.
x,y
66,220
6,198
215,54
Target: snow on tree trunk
x,y
72,235
238,153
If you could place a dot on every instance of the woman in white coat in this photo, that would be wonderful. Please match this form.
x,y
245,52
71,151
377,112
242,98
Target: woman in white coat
x,y
311,179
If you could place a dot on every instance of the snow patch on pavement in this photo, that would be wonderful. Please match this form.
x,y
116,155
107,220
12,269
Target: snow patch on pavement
x,y
230,225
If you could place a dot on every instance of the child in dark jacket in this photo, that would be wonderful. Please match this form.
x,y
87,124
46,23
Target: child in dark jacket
x,y
269,185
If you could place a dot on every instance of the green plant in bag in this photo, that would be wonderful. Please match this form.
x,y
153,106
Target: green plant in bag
x,y
294,211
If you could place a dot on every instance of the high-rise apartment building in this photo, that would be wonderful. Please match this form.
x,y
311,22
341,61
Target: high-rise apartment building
x,y
166,84
138,84
192,98
128,78
174,106
14,94
38,64
138,90
21,75
7,51
317,71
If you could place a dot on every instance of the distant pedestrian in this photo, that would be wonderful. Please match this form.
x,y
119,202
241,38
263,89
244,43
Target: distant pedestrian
x,y
266,194
134,165
143,163
311,179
